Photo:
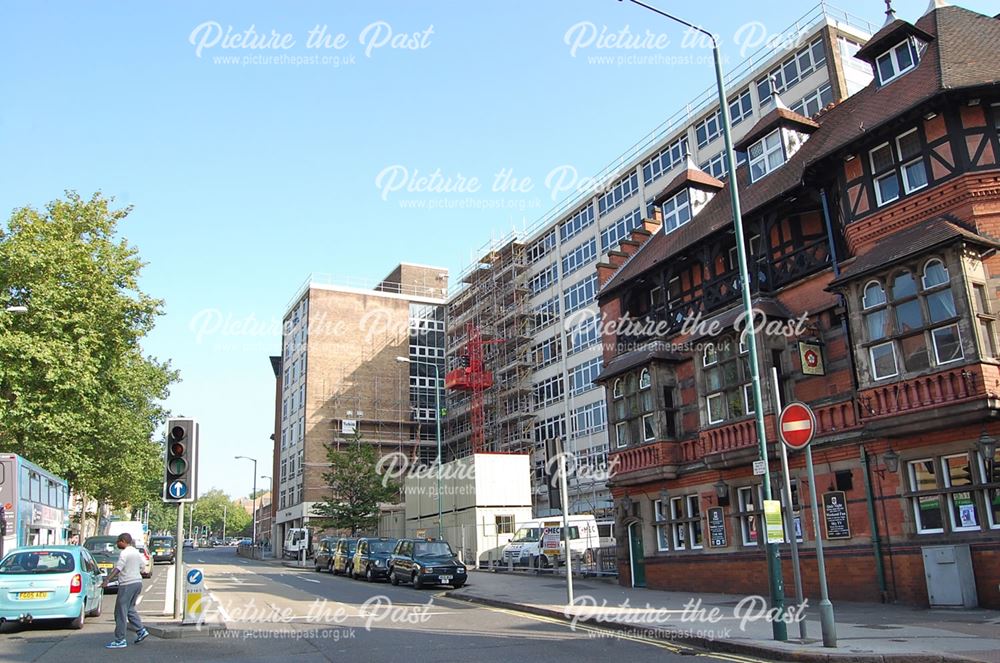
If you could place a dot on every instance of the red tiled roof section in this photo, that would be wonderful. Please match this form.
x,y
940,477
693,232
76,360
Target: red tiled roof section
x,y
689,176
889,36
777,117
911,241
968,62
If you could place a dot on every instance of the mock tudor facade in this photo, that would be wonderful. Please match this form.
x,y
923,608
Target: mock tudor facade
x,y
871,231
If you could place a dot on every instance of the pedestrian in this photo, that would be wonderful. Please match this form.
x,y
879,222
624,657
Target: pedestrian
x,y
129,571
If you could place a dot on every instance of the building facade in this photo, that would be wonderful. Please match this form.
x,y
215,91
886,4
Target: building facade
x,y
340,375
535,294
871,233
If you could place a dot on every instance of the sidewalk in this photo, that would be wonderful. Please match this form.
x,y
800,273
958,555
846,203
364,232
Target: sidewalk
x,y
865,631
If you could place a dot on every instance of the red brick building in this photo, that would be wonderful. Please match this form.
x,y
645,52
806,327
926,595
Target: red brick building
x,y
871,232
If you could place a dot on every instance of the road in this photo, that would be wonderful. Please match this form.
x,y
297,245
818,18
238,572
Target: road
x,y
278,613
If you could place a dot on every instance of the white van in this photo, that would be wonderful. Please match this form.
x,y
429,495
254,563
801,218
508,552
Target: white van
x,y
133,527
297,541
527,545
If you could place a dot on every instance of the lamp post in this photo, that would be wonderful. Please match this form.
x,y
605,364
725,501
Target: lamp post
x,y
988,449
437,421
778,626
254,530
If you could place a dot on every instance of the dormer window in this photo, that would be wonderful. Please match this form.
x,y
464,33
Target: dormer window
x,y
766,155
896,61
677,211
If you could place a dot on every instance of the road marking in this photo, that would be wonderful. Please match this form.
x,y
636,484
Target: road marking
x,y
311,580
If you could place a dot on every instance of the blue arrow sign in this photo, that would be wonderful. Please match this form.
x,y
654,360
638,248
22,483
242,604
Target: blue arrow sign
x,y
194,576
177,490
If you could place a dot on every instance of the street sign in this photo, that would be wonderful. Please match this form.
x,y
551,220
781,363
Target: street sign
x,y
178,490
194,596
759,468
796,425
772,521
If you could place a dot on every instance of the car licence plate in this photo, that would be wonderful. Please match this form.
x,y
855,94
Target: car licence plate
x,y
28,596
444,579
105,566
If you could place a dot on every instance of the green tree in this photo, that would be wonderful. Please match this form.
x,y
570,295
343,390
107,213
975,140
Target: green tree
x,y
355,488
77,394
214,507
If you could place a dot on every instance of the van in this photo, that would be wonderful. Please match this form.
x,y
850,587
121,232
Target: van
x,y
133,527
527,545
298,540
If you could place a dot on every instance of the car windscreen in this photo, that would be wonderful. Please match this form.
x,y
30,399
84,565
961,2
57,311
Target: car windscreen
x,y
432,549
527,535
382,546
161,541
101,544
38,561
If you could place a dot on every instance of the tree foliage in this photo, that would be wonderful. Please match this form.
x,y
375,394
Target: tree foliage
x,y
77,394
214,507
355,488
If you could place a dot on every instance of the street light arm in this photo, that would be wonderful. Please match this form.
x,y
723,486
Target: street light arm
x,y
664,14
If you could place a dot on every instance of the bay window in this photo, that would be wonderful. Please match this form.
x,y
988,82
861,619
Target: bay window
x,y
726,381
898,167
950,493
896,61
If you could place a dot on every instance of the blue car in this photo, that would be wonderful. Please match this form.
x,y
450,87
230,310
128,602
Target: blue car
x,y
50,582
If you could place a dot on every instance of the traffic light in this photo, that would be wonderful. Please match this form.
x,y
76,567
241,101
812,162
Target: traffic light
x,y
181,461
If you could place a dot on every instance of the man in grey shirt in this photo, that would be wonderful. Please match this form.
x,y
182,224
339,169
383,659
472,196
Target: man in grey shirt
x,y
128,570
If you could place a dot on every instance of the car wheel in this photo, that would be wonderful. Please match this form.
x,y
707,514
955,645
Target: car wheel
x,y
416,582
369,574
318,568
81,618
392,577
457,585
329,567
349,571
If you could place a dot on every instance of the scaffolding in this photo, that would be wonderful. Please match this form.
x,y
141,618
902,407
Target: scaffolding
x,y
494,299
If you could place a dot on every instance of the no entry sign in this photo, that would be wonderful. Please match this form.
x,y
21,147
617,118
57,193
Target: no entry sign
x,y
796,425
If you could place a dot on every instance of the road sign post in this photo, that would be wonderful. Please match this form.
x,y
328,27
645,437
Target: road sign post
x,y
796,427
194,595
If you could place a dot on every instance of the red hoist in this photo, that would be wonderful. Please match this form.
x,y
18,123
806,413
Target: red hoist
x,y
472,376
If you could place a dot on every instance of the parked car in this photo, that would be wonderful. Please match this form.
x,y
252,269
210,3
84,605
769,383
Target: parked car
x,y
147,565
188,543
371,558
105,554
50,582
425,562
164,548
323,558
342,556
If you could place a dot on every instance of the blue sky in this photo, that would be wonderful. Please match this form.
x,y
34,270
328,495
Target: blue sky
x,y
246,177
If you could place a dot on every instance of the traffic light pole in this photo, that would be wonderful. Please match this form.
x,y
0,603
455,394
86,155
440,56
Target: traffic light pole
x,y
179,561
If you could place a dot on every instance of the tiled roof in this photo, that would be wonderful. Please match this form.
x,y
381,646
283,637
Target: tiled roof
x,y
890,35
912,241
655,350
690,176
778,116
963,53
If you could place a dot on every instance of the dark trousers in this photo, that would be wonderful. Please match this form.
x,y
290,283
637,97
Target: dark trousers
x,y
125,612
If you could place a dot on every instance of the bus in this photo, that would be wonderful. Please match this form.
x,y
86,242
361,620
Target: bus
x,y
34,505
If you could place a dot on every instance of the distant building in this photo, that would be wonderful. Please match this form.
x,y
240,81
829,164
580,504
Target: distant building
x,y
339,374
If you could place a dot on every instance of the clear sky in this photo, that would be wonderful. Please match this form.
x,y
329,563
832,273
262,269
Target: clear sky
x,y
256,158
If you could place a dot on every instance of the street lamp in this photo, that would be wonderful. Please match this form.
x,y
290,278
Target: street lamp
x,y
270,491
988,448
779,628
437,421
254,540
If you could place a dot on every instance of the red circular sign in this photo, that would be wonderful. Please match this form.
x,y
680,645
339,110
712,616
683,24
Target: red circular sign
x,y
796,425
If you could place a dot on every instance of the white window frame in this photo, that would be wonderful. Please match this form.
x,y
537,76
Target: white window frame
x,y
674,217
991,524
678,541
765,153
892,172
748,403
708,407
973,491
651,418
904,180
891,54
619,427
715,355
923,275
895,360
662,541
864,296
616,390
756,494
937,359
692,541
645,381
915,501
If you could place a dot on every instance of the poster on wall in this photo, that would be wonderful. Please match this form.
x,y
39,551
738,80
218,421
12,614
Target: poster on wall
x,y
717,527
838,526
811,356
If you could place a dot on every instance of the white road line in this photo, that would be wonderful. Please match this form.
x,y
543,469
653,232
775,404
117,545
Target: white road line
x,y
311,580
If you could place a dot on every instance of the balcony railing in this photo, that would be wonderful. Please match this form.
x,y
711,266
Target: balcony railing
x,y
647,456
956,385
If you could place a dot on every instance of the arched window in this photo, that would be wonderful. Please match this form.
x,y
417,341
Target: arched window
x,y
630,384
711,355
616,391
903,286
935,273
644,380
874,295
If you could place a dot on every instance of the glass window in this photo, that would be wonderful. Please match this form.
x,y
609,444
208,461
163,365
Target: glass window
x,y
694,524
750,511
621,433
661,527
947,344
883,358
926,508
644,379
896,61
648,428
617,390
963,510
678,528
677,211
766,155
716,409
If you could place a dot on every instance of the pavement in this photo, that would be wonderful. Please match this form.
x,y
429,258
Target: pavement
x,y
879,633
